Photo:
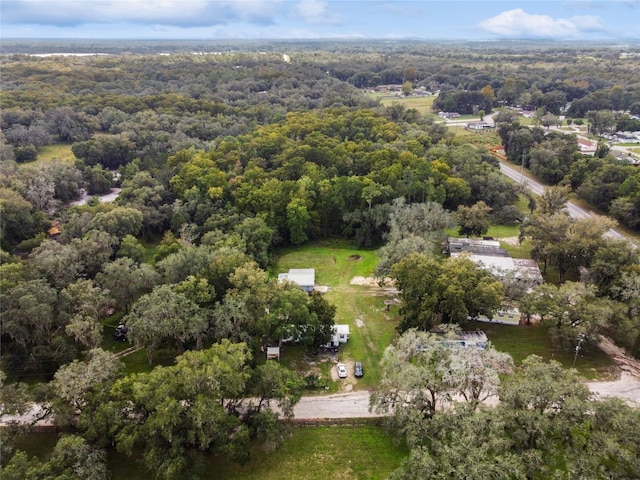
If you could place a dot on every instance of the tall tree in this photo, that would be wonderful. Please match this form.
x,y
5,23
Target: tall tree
x,y
82,308
119,221
571,311
423,373
77,386
563,242
446,292
73,457
474,220
413,228
56,262
553,200
125,281
174,413
18,219
297,221
165,314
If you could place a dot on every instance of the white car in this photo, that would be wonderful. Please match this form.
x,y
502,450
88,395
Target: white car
x,y
342,370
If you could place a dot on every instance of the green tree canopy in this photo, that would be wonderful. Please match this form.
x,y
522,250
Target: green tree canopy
x,y
450,291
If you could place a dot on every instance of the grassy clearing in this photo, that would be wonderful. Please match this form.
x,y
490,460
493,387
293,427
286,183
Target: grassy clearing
x,y
463,136
424,105
150,246
520,250
321,453
57,151
336,263
135,362
366,452
523,204
361,307
495,231
503,231
522,341
372,327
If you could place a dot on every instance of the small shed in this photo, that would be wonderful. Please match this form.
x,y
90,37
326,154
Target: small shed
x,y
305,278
273,353
342,332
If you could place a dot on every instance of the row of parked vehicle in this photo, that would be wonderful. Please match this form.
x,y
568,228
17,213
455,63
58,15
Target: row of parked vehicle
x,y
358,371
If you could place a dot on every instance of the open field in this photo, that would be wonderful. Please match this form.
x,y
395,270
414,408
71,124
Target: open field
x,y
57,151
522,341
321,453
335,262
422,104
373,328
362,307
365,452
135,362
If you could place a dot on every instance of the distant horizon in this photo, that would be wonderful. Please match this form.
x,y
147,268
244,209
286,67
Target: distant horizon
x,y
357,20
325,39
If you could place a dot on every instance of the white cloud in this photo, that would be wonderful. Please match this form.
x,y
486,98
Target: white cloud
x,y
315,11
588,23
161,12
520,24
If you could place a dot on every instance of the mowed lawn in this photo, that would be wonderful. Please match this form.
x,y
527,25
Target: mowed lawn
x,y
522,341
373,328
321,453
362,307
354,453
424,105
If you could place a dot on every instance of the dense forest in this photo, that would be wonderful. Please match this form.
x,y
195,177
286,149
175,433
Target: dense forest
x,y
224,155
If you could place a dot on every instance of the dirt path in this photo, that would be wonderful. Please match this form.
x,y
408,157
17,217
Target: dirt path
x,y
626,363
627,387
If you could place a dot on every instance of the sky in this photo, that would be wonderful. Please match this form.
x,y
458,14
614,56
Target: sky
x,y
581,20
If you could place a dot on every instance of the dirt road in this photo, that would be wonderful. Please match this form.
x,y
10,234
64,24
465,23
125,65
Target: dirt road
x,y
627,386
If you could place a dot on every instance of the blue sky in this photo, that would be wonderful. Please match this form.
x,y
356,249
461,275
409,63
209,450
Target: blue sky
x,y
616,20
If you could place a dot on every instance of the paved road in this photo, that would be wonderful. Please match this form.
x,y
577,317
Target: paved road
x,y
536,187
356,404
339,405
627,388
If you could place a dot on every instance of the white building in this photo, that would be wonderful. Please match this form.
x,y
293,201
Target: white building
x,y
305,278
339,336
489,255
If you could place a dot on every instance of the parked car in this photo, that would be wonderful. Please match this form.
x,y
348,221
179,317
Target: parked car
x,y
357,370
342,370
121,333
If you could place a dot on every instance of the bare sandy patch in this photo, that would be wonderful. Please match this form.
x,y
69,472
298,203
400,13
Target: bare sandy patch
x,y
366,281
515,241
625,362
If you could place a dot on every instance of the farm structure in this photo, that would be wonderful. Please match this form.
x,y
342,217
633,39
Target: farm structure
x,y
340,335
305,278
488,254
